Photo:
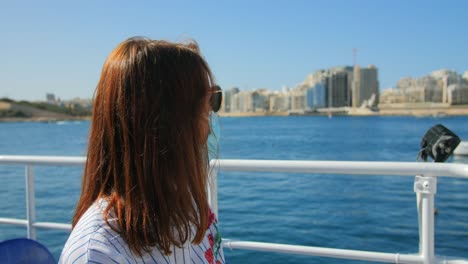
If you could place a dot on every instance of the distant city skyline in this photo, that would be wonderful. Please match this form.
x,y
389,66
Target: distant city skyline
x,y
351,90
59,47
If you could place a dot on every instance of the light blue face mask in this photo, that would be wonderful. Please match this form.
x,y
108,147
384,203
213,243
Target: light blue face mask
x,y
213,137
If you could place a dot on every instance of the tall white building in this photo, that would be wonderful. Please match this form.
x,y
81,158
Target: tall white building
x,y
279,102
465,76
227,97
458,94
260,100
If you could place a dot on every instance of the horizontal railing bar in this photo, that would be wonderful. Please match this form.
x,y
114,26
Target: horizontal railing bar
x,y
50,225
324,252
344,167
43,225
293,166
43,160
13,221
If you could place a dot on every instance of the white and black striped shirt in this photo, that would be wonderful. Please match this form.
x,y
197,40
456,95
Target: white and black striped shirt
x,y
93,241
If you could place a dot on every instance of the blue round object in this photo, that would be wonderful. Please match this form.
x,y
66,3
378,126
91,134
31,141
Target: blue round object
x,y
24,251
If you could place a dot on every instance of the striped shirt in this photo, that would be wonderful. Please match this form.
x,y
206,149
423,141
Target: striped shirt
x,y
93,241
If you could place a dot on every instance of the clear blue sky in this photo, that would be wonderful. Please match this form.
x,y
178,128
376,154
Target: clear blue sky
x,y
60,46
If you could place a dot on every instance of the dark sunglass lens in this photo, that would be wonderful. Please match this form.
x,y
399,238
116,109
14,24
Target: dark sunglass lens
x,y
216,99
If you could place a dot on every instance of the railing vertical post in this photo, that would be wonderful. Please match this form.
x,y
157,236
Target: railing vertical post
x,y
30,202
425,188
213,189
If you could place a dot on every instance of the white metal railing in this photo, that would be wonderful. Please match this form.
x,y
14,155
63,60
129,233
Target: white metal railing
x,y
425,186
29,162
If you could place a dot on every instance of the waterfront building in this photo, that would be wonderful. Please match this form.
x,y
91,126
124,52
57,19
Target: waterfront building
x,y
452,76
260,100
298,100
365,86
320,96
392,96
315,78
50,98
316,97
402,86
86,104
279,102
235,105
312,81
430,88
329,88
347,69
310,96
227,95
465,77
411,91
338,89
458,94
422,92
245,101
444,79
248,101
414,95
431,91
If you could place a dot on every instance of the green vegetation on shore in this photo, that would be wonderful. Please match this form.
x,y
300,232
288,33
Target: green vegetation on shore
x,y
22,109
77,110
13,113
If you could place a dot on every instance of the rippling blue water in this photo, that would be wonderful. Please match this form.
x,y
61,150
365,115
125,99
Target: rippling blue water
x,y
351,212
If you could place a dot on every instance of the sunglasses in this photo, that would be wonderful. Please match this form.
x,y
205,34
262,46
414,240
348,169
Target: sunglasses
x,y
216,98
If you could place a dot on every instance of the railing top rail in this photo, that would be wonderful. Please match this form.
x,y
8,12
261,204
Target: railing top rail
x,y
42,160
345,167
291,166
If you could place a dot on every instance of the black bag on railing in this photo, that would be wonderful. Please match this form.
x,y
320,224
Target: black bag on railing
x,y
438,143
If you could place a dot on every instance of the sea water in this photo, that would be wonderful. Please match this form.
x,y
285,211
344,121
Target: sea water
x,y
348,212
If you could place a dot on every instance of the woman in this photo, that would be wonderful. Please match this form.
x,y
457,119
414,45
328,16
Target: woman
x,y
144,196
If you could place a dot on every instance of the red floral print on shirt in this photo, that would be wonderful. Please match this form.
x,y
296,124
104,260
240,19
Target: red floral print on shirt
x,y
211,219
209,256
215,241
211,240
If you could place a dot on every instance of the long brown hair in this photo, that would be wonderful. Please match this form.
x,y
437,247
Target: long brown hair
x,y
147,153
